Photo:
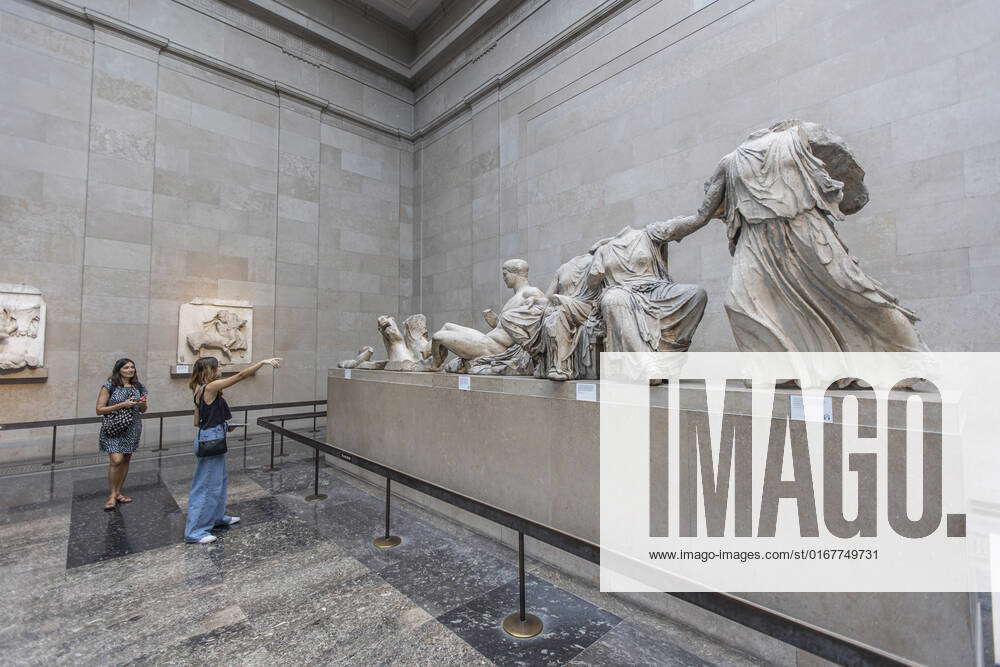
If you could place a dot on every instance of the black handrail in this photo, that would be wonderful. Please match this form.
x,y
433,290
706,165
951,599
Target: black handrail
x,y
804,636
54,424
73,421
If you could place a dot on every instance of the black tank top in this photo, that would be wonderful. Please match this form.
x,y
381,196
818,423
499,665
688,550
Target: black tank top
x,y
214,413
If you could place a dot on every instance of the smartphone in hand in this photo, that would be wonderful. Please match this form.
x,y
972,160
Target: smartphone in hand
x,y
232,427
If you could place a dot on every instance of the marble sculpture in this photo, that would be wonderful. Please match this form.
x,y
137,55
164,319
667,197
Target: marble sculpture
x,y
503,350
220,327
22,327
407,349
794,287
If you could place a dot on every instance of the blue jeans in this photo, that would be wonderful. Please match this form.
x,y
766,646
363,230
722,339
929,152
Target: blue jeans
x,y
207,500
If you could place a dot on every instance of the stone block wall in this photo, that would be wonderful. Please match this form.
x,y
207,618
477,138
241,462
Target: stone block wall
x,y
622,125
202,152
134,178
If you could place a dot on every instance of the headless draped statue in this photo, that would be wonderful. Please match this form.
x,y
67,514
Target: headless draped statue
x,y
794,287
621,294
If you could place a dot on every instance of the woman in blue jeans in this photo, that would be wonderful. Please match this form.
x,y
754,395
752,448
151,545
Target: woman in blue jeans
x,y
207,500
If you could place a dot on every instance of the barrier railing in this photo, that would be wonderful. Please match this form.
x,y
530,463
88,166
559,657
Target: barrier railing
x,y
54,424
521,624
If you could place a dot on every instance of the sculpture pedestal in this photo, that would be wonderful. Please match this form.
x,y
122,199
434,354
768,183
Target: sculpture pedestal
x,y
22,375
530,447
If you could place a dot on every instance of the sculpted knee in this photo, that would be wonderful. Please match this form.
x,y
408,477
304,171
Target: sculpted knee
x,y
700,295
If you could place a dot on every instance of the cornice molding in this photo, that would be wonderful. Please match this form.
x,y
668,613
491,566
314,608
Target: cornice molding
x,y
97,19
491,85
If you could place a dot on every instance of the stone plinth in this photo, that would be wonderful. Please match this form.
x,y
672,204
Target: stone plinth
x,y
530,447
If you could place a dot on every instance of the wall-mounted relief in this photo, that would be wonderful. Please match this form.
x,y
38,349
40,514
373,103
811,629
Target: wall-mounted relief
x,y
215,328
22,327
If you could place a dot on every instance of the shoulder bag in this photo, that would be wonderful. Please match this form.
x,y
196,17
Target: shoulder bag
x,y
117,423
213,447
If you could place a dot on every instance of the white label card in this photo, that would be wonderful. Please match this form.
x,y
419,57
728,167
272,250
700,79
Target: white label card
x,y
347,373
798,406
464,382
586,391
183,368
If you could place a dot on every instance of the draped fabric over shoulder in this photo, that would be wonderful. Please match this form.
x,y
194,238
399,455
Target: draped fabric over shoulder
x,y
794,285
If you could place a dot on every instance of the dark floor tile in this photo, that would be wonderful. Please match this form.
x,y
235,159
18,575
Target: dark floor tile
x,y
258,510
151,521
447,577
298,481
631,643
571,624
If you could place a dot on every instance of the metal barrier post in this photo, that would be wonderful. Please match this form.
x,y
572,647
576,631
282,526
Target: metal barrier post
x,y
520,624
272,452
282,452
160,447
52,461
316,495
387,541
246,420
314,429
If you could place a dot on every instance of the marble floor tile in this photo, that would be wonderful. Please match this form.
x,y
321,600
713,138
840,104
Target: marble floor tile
x,y
241,487
243,545
447,577
116,610
294,582
297,482
632,643
692,639
571,624
343,621
151,521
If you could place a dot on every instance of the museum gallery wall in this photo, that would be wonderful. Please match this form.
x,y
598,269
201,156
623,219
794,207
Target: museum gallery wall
x,y
126,164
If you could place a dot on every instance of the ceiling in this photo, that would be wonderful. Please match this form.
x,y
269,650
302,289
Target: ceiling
x,y
410,13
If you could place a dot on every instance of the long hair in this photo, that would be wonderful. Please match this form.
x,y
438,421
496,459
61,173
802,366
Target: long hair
x,y
116,375
203,372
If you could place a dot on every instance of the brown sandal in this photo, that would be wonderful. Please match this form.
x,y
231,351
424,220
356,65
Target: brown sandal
x,y
124,499
110,505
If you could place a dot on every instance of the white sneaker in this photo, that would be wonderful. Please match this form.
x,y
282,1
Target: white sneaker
x,y
208,539
231,520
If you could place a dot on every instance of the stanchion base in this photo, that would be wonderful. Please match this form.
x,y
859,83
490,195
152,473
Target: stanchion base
x,y
270,469
315,496
515,627
52,463
280,455
387,542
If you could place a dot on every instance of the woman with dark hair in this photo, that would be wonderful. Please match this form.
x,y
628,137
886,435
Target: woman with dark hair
x,y
121,392
207,499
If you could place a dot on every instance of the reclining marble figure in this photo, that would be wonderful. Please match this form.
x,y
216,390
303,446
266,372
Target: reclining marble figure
x,y
500,351
364,354
794,287
620,293
407,349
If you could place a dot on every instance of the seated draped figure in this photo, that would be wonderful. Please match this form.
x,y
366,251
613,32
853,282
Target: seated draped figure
x,y
620,295
500,351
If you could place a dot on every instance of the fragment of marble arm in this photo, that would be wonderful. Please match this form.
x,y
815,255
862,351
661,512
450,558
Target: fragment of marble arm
x,y
491,317
714,195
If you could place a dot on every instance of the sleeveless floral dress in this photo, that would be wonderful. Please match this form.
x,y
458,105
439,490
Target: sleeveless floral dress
x,y
128,442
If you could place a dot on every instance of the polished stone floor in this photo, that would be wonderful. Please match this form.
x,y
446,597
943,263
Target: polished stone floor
x,y
294,583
